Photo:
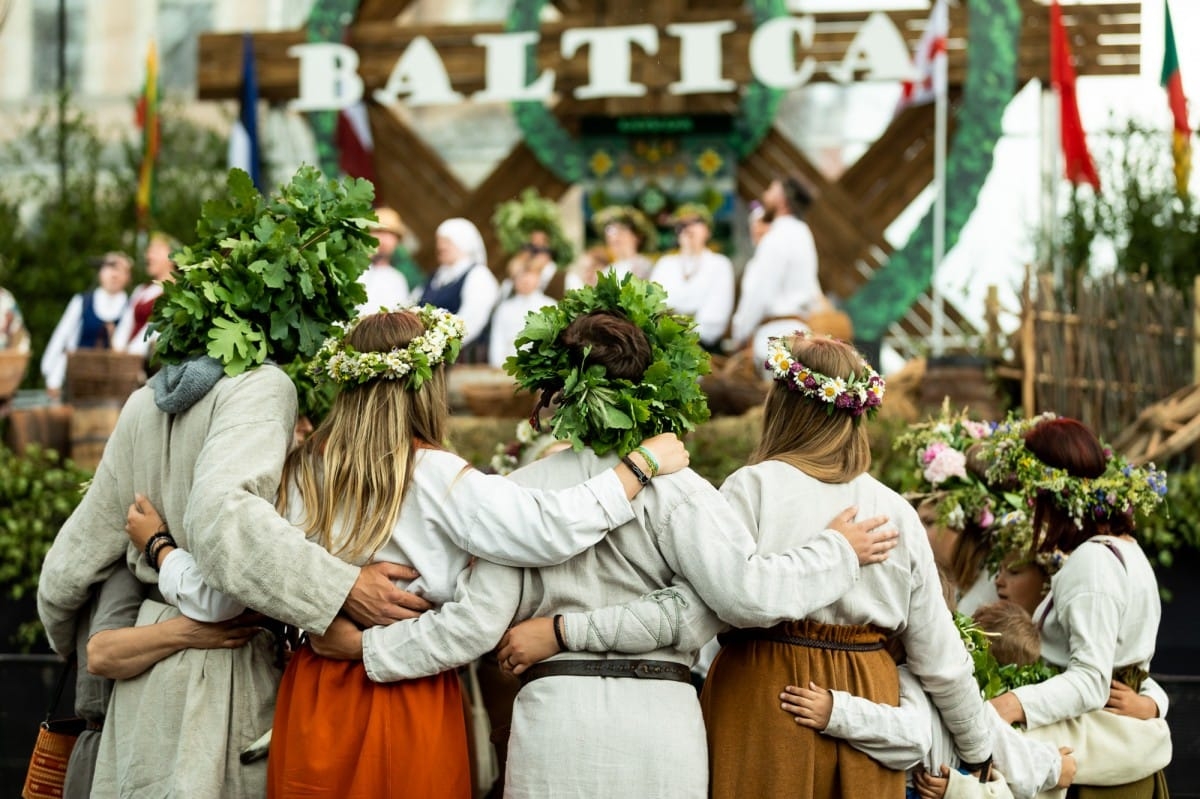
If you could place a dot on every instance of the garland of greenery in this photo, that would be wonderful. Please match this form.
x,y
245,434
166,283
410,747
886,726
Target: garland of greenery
x,y
515,219
993,677
267,279
994,30
561,153
601,412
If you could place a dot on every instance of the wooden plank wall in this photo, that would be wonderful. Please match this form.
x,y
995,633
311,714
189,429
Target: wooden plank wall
x,y
1123,345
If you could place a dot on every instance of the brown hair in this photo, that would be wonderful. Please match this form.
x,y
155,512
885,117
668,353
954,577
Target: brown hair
x,y
1069,445
610,340
354,470
797,430
1015,637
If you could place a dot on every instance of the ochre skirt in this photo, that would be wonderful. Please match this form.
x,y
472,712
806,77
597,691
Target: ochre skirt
x,y
338,734
757,749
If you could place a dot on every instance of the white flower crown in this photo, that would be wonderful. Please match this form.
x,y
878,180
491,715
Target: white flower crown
x,y
440,343
860,393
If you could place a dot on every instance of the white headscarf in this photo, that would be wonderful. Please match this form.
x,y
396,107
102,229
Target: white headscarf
x,y
465,237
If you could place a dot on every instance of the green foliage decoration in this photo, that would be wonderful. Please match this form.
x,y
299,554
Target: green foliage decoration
x,y
515,219
38,491
994,30
267,279
612,414
993,677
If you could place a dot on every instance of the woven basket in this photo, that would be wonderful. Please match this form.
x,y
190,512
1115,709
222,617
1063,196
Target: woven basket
x,y
103,374
501,400
12,371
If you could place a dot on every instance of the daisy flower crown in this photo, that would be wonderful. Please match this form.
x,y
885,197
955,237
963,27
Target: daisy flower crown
x,y
860,393
414,363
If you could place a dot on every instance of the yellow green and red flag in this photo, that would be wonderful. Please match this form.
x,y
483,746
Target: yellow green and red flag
x,y
1172,81
147,121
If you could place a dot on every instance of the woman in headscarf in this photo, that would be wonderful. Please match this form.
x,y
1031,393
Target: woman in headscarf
x,y
462,284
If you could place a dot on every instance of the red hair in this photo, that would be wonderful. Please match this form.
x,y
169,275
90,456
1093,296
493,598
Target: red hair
x,y
1069,445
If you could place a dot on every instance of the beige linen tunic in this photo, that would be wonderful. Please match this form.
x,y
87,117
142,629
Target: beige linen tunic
x,y
901,596
212,472
601,737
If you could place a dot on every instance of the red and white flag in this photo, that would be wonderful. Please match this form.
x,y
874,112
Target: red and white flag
x,y
930,82
356,147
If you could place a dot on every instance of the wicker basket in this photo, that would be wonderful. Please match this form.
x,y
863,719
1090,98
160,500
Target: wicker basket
x,y
12,371
103,374
501,400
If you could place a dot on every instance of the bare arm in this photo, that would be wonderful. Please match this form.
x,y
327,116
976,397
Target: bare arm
x,y
127,652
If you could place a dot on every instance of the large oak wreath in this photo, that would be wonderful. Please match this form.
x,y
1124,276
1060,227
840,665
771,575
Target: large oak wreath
x,y
849,221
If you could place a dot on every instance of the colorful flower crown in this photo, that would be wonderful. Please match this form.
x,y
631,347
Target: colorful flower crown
x,y
414,363
1122,489
938,456
856,395
1014,536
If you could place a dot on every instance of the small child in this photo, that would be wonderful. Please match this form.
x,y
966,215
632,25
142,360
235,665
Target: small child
x,y
509,317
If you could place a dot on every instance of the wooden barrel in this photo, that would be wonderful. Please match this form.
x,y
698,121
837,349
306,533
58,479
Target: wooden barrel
x,y
91,425
42,422
12,371
94,375
966,381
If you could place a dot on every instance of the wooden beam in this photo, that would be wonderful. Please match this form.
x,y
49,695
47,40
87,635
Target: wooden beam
x,y
380,10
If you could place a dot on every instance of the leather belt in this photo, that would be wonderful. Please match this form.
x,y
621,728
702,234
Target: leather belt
x,y
812,643
95,726
640,669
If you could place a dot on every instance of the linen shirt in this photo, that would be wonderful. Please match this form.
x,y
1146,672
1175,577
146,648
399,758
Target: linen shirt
x,y
125,338
508,321
479,294
780,280
1101,614
386,288
701,287
683,536
65,337
901,596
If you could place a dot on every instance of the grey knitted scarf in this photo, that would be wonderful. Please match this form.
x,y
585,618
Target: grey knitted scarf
x,y
179,386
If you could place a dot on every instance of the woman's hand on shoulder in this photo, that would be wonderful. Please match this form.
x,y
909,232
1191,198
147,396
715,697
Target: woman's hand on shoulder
x,y
869,539
142,520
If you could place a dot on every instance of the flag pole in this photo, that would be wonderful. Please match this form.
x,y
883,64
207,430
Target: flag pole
x,y
941,124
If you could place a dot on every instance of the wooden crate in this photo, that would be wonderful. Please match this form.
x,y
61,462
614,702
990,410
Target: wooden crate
x,y
94,375
91,425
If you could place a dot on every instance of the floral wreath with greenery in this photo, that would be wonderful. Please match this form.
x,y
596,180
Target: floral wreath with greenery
x,y
414,363
993,677
1122,489
631,218
527,447
516,219
1014,536
859,394
938,456
612,414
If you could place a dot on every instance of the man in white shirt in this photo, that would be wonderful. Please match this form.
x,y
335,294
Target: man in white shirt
x,y
698,281
780,284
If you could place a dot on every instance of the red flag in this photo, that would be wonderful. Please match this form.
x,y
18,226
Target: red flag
x,y
356,148
1172,81
1079,165
929,82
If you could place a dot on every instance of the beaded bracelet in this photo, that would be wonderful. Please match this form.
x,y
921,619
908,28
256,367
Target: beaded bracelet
x,y
651,461
638,473
558,633
155,544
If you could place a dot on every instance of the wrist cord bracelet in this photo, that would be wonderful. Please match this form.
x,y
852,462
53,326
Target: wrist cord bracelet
x,y
558,633
638,473
651,461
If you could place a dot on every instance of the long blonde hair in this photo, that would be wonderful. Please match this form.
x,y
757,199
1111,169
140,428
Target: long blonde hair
x,y
800,431
357,465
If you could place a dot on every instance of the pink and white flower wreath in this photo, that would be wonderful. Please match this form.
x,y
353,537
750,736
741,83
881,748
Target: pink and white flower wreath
x,y
860,393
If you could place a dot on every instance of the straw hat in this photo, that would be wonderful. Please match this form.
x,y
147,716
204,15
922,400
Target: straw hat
x,y
389,221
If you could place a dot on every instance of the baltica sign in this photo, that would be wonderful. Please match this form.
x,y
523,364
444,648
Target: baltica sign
x,y
329,76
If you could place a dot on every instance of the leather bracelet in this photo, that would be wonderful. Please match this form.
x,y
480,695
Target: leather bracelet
x,y
638,473
558,633
984,768
155,543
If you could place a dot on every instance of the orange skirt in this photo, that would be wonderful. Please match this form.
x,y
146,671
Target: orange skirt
x,y
338,734
757,749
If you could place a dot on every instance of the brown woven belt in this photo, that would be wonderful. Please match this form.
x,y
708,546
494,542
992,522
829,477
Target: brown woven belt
x,y
734,636
640,669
